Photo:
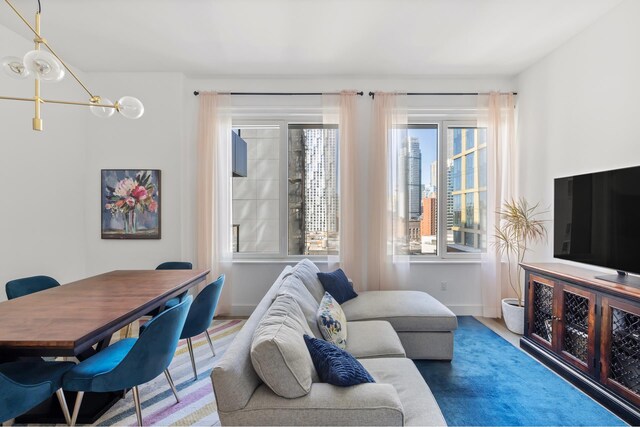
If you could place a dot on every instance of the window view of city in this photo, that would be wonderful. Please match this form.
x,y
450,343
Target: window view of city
x,y
465,187
313,190
312,204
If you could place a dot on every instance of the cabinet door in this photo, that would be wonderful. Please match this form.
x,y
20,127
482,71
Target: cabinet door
x,y
576,326
620,348
541,312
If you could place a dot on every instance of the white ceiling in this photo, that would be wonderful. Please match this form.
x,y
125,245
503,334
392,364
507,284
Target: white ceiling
x,y
308,37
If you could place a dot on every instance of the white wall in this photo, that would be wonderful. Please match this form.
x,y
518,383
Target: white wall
x,y
42,221
579,108
154,141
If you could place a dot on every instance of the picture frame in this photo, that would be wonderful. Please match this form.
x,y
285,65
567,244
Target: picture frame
x,y
130,204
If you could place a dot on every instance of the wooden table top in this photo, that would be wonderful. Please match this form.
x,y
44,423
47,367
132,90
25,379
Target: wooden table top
x,y
69,319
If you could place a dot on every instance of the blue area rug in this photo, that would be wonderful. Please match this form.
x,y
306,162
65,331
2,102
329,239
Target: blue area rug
x,y
492,383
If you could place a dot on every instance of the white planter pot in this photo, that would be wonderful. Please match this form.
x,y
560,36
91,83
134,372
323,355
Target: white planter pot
x,y
513,315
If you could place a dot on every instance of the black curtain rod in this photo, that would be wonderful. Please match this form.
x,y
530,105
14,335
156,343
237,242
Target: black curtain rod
x,y
373,94
196,93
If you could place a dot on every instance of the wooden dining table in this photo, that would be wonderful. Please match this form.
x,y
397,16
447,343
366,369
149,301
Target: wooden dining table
x,y
78,319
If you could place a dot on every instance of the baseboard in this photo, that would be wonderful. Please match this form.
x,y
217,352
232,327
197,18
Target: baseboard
x,y
466,309
245,310
242,310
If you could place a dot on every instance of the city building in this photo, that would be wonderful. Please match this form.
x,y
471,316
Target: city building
x,y
429,223
414,178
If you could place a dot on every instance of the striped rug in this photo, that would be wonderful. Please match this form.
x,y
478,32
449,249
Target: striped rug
x,y
197,403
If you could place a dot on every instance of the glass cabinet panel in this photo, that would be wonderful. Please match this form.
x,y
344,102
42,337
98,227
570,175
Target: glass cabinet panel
x,y
542,311
576,326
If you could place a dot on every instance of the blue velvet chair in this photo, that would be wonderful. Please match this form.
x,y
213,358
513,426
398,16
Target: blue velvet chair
x,y
174,265
25,384
132,361
200,317
20,287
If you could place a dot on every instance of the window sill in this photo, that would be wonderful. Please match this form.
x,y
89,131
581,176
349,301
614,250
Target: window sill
x,y
295,260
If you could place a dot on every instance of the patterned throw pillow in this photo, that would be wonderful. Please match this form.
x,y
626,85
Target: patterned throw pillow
x,y
332,321
335,366
337,284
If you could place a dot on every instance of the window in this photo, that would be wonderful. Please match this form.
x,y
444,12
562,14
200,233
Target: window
x,y
466,230
313,190
421,164
256,197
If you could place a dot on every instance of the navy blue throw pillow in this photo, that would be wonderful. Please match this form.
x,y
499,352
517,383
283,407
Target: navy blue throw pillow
x,y
334,365
337,284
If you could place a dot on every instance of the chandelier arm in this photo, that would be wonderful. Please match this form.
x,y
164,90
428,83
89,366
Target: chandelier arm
x,y
44,42
83,104
54,101
64,64
13,98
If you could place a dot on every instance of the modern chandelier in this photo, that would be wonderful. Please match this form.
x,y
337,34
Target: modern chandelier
x,y
47,66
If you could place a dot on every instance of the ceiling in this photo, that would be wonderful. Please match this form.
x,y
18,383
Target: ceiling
x,y
308,37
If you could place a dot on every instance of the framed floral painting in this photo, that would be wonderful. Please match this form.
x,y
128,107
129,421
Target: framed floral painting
x,y
130,203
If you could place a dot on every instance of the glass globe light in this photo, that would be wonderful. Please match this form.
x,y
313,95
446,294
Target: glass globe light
x,y
130,107
14,67
102,112
44,65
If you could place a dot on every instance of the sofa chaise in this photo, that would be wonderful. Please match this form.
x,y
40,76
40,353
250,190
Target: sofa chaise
x,y
385,330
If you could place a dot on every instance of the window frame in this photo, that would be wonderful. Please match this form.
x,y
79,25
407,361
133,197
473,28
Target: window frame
x,y
283,122
442,255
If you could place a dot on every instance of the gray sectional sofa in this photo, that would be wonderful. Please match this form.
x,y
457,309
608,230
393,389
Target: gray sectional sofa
x,y
385,330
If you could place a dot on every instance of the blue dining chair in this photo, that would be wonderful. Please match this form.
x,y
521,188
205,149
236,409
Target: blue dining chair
x,y
200,317
25,384
131,362
170,265
174,265
29,285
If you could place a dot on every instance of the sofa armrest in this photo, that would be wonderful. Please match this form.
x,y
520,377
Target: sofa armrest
x,y
363,404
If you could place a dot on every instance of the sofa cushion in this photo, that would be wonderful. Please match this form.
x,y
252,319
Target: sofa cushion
x,y
420,407
307,272
294,287
409,311
334,365
338,285
332,322
278,352
373,338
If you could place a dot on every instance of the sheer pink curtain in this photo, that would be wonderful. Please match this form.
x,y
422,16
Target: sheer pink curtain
x,y
341,109
497,114
213,227
387,257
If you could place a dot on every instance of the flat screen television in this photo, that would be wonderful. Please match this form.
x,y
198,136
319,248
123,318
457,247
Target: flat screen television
x,y
597,221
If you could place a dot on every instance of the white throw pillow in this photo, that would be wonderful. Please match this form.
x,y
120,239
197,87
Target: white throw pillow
x,y
332,321
278,351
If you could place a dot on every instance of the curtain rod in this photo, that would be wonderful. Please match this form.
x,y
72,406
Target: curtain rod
x,y
196,93
373,94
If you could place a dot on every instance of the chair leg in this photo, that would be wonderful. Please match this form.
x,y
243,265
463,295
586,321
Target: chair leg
x,y
173,387
76,407
136,401
210,343
193,360
127,331
63,406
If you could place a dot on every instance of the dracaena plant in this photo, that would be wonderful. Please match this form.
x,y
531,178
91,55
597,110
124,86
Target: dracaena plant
x,y
520,227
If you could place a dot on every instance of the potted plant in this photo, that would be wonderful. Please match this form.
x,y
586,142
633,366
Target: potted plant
x,y
519,228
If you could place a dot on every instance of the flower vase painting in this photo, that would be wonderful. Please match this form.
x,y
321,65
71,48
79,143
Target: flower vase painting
x,y
130,204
